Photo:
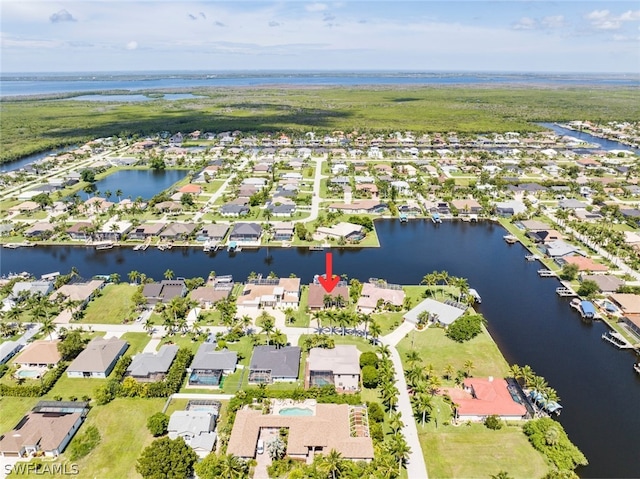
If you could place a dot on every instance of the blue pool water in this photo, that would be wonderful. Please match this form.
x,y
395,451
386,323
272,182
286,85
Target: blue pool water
x,y
26,373
295,411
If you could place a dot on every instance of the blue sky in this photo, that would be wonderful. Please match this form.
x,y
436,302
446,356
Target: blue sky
x,y
561,36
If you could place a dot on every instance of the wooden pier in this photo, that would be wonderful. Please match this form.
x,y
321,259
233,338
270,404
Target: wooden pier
x,y
565,292
546,273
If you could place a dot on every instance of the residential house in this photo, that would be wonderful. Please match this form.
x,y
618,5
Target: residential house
x,y
467,207
98,358
359,207
196,428
274,293
208,295
432,311
47,429
213,232
348,231
245,232
41,229
283,231
376,295
40,354
559,248
328,429
317,294
164,291
169,207
584,264
114,229
338,366
177,231
78,231
545,236
571,204
270,364
234,210
483,397
191,189
145,231
151,367
606,283
24,289
282,210
81,292
209,366
8,349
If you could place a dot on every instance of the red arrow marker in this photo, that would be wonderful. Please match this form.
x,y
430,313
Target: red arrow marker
x,y
329,281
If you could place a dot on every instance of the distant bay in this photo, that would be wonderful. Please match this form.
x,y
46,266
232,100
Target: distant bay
x,y
17,84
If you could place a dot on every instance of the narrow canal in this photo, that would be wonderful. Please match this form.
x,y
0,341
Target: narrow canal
x,y
598,388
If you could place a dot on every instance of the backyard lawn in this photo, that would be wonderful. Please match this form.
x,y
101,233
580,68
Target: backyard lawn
x,y
13,409
448,449
112,306
436,349
137,342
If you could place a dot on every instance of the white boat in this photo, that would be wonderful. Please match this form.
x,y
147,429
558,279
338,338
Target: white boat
x,y
103,246
636,368
473,293
510,239
531,257
546,273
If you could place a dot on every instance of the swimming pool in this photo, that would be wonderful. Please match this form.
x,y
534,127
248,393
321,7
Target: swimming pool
x,y
27,373
295,411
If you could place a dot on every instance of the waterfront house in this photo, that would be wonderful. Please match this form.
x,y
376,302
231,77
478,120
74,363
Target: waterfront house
x,y
41,229
213,232
164,291
483,397
283,231
191,189
78,231
348,231
169,207
245,232
270,364
467,207
433,312
509,208
207,296
330,427
98,358
209,366
535,225
25,289
271,292
150,367
82,292
40,354
317,294
544,236
95,206
584,264
559,249
377,295
338,366
45,430
145,231
113,229
177,231
606,282
358,207
196,428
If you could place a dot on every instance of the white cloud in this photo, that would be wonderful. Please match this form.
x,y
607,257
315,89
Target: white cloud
x,y
132,45
554,21
605,20
630,16
316,7
525,23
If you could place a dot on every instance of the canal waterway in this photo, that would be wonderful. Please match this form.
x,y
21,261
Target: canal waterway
x,y
605,144
598,388
134,183
29,159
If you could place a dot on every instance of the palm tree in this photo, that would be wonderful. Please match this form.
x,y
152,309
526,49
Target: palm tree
x,y
289,314
448,371
468,367
413,357
422,406
399,449
133,276
375,331
48,328
279,338
429,371
332,464
384,351
527,375
168,274
232,467
413,376
433,385
395,422
268,326
366,319
119,194
148,326
246,321
344,319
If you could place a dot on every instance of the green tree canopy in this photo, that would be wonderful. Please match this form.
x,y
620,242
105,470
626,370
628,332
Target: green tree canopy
x,y
167,458
157,424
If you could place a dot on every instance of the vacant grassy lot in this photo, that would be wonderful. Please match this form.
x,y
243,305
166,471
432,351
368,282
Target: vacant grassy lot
x,y
13,409
436,349
47,124
112,306
473,451
137,342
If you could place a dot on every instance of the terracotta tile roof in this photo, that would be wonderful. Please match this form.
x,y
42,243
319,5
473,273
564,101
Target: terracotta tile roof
x,y
491,397
329,428
317,293
585,264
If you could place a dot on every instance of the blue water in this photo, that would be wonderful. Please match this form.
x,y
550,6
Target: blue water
x,y
599,390
27,160
42,84
135,98
605,144
134,183
295,411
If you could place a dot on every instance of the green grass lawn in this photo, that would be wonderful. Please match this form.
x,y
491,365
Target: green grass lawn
x,y
436,349
112,306
137,342
12,409
182,341
123,435
387,321
67,387
473,451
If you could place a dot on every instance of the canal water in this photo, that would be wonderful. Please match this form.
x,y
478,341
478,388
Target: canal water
x,y
596,383
605,144
134,183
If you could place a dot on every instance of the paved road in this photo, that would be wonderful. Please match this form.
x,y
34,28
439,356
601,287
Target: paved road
x,y
416,466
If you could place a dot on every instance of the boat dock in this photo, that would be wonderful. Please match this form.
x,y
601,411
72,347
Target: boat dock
x,y
546,273
164,246
510,239
103,246
617,340
24,244
636,368
565,292
531,257
435,218
403,218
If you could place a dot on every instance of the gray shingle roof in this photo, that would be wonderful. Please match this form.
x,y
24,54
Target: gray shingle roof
x,y
208,358
283,362
145,364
